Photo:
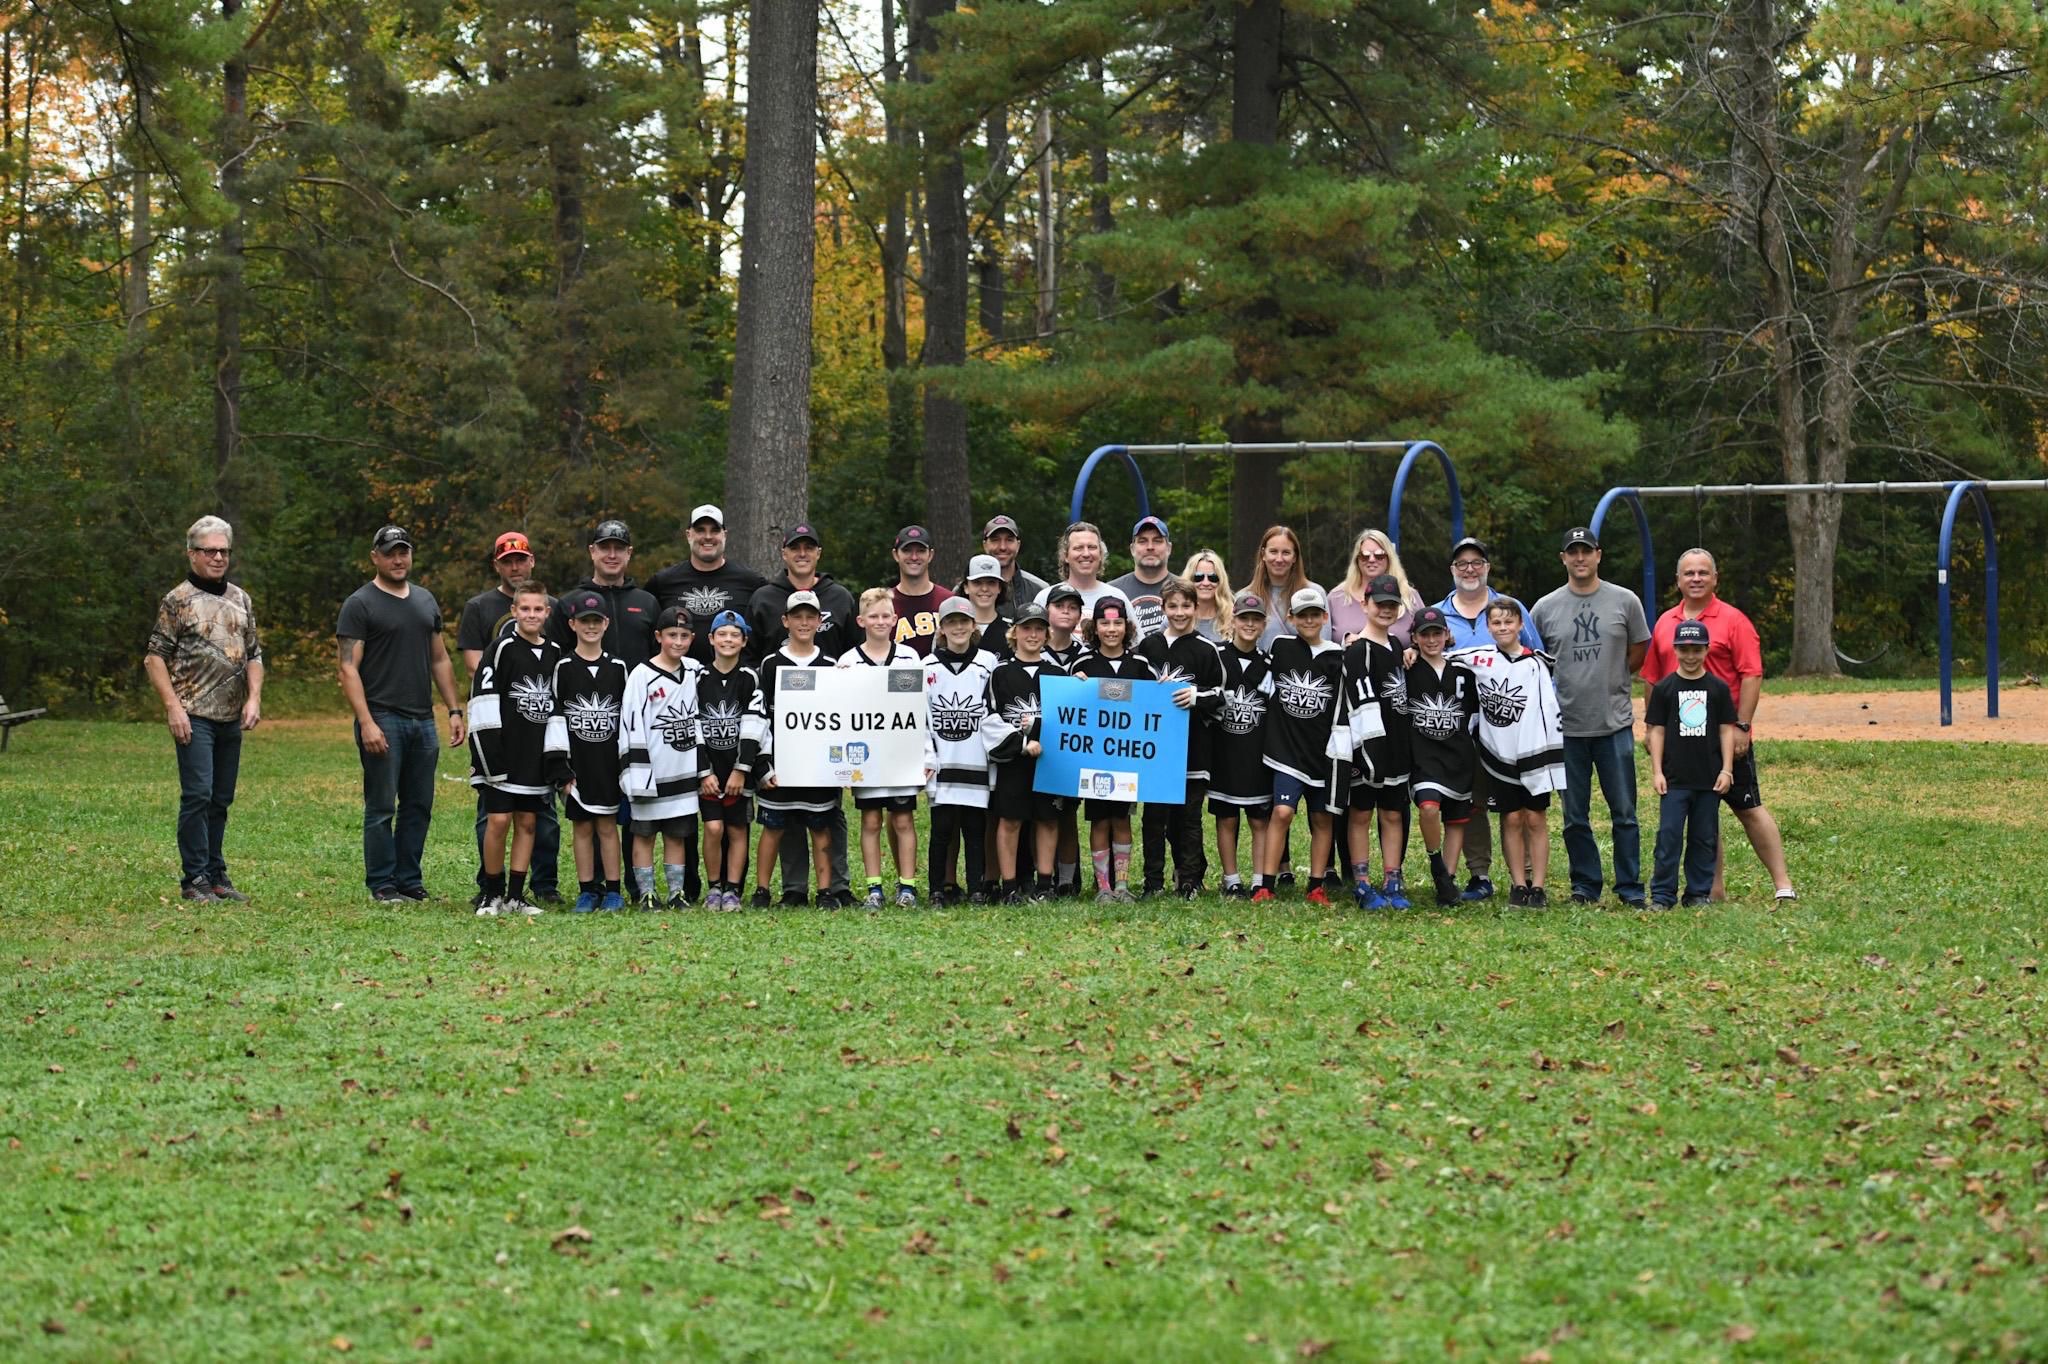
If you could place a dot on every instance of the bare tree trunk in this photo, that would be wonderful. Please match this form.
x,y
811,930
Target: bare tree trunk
x,y
988,251
1254,118
1100,219
768,443
135,285
902,434
228,281
565,161
948,506
1047,248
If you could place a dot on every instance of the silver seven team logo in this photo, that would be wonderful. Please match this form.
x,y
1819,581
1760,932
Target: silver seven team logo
x,y
677,725
534,698
1244,710
955,719
719,725
705,601
1436,717
592,718
1303,695
1022,712
1502,703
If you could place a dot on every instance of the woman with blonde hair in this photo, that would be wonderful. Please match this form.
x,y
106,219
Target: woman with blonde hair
x,y
1276,577
1372,555
1205,570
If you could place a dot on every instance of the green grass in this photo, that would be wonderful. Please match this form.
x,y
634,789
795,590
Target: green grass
x,y
1157,1132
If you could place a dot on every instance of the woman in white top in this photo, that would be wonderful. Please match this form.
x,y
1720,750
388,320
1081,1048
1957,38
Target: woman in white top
x,y
1371,555
1205,570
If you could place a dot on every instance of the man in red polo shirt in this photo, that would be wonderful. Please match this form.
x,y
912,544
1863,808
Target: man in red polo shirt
x,y
1736,657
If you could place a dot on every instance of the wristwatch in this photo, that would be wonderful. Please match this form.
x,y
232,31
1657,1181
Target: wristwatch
x,y
1742,725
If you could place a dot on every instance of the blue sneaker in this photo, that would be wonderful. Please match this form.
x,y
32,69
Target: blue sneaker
x,y
1479,888
585,903
1396,893
611,902
1367,895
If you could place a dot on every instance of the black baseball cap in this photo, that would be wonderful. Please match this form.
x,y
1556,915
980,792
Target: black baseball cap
x,y
389,538
1429,618
1690,632
1107,606
1384,588
672,616
1064,592
802,530
1580,535
611,529
1030,613
1473,543
913,535
587,604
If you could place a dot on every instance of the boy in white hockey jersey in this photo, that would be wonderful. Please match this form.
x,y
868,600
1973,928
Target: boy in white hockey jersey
x,y
660,738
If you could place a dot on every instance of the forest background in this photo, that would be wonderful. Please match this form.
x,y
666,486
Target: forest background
x,y
477,264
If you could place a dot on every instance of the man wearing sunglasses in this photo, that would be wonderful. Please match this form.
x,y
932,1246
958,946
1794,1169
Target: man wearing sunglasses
x,y
207,667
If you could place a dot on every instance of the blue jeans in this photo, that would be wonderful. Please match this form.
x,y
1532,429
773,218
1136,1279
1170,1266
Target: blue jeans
x,y
545,870
207,768
1613,756
398,800
1693,817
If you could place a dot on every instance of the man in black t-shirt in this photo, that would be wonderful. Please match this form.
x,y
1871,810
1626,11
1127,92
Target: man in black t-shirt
x,y
707,582
485,618
392,660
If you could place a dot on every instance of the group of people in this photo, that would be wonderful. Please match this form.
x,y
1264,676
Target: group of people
x,y
645,715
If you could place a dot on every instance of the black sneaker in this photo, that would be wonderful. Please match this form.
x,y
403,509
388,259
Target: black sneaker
x,y
1013,897
977,897
1447,892
1581,898
224,889
1660,904
418,894
1690,901
1535,897
480,899
1480,888
1284,881
1189,892
1240,891
383,895
1518,896
761,898
539,897
677,901
199,891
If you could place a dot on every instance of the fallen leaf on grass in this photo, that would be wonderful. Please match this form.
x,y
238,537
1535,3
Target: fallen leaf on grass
x,y
1537,1356
423,1342
921,1242
568,1239
1309,1349
1789,1055
1739,1332
1000,1272
53,1327
1648,1108
56,1070
342,1343
1617,1028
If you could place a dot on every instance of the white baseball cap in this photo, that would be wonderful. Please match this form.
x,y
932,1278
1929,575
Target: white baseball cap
x,y
708,512
1308,598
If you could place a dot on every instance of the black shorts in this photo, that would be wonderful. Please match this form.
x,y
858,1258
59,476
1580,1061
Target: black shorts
x,y
895,804
812,820
1099,810
737,810
574,811
1013,798
1451,811
1365,797
680,828
1506,797
1258,814
498,802
1744,794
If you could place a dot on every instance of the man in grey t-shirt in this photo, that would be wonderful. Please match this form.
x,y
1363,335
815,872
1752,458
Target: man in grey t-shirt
x,y
1598,634
1151,550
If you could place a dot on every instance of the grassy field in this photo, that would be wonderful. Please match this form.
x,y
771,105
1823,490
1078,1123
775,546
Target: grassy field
x,y
314,1126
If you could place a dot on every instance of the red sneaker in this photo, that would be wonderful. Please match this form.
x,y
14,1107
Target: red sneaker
x,y
1262,894
1318,897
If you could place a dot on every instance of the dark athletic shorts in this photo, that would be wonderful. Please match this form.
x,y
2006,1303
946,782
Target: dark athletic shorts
x,y
1099,810
573,810
498,802
1451,811
1013,798
1365,797
1260,813
812,820
897,804
1506,797
738,810
1744,794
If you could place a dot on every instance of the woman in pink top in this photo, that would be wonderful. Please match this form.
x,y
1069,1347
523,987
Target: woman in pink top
x,y
1371,555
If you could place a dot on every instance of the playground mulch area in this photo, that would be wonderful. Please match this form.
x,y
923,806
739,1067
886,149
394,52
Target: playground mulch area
x,y
1860,716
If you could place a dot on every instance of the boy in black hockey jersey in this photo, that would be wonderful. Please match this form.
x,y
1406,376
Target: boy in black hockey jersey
x,y
660,737
1376,714
1443,703
956,691
807,808
1308,673
725,703
1178,654
1064,646
590,687
519,748
1013,694
1240,783
1691,724
1109,821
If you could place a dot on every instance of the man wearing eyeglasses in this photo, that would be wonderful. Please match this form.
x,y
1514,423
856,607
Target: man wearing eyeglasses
x,y
1465,613
207,667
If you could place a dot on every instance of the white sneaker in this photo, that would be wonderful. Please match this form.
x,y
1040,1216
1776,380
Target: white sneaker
x,y
518,905
489,909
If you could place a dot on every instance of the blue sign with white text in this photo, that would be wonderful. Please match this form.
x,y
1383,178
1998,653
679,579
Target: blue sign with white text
x,y
1112,739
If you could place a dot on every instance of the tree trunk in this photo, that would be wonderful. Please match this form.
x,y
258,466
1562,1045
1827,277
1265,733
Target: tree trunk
x,y
1255,481
228,277
1047,248
988,251
901,460
135,285
1100,219
565,161
948,509
768,443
